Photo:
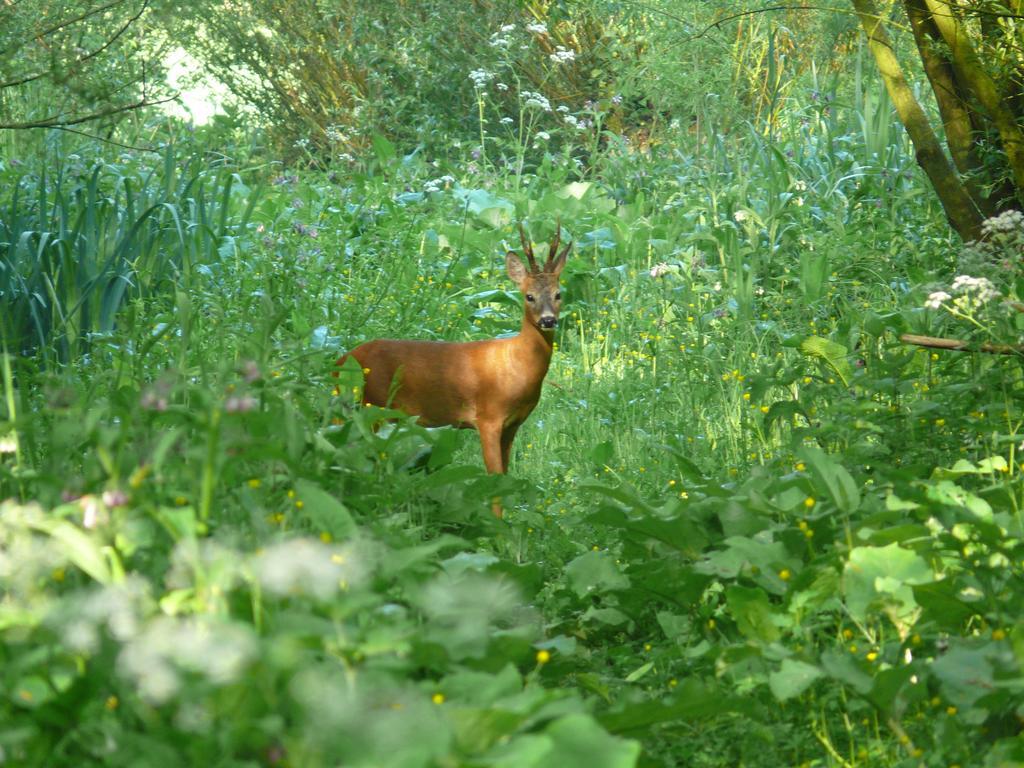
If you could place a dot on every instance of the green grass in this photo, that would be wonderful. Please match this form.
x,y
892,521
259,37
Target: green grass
x,y
745,526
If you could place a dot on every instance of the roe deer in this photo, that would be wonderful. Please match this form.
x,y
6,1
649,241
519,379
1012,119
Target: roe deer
x,y
491,385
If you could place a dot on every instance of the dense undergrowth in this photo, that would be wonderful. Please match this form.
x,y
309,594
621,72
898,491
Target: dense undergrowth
x,y
745,526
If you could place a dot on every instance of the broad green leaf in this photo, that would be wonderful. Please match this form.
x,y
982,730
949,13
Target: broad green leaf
x,y
966,676
576,189
949,493
679,532
78,546
844,667
594,573
691,700
383,149
180,522
753,613
477,729
528,751
822,592
493,210
792,678
741,552
468,561
832,353
832,479
579,742
888,573
325,511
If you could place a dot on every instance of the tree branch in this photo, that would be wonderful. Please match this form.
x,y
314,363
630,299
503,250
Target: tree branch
x,y
59,122
70,22
958,345
88,56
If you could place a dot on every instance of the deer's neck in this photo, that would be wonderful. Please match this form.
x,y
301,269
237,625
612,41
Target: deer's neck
x,y
535,340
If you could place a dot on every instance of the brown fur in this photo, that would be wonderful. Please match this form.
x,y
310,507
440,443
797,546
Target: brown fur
x,y
491,386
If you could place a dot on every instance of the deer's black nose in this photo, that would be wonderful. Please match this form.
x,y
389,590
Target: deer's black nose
x,y
548,322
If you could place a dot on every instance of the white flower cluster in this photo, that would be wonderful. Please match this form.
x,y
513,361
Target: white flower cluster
x,y
981,287
334,133
117,609
480,77
537,28
536,100
562,55
308,567
156,658
436,185
973,292
499,39
1006,222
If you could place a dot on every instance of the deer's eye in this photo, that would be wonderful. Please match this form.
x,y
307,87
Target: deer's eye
x,y
529,297
558,296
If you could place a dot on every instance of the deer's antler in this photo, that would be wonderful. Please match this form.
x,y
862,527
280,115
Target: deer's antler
x,y
528,249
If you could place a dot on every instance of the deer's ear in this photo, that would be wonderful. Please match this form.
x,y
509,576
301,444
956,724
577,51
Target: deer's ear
x,y
515,267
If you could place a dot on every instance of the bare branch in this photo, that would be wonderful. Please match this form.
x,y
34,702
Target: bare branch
x,y
60,122
88,56
105,140
958,345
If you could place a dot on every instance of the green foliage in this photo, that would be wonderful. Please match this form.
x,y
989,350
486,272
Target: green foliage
x,y
80,242
744,526
85,61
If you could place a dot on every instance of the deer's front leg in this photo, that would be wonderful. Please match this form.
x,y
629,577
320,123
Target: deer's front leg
x,y
507,436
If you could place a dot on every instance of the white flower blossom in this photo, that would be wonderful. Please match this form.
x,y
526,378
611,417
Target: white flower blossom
x,y
168,646
308,567
537,100
982,288
936,299
1008,221
562,55
480,77
537,28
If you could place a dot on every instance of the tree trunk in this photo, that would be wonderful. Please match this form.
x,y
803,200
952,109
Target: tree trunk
x,y
971,73
964,215
961,126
